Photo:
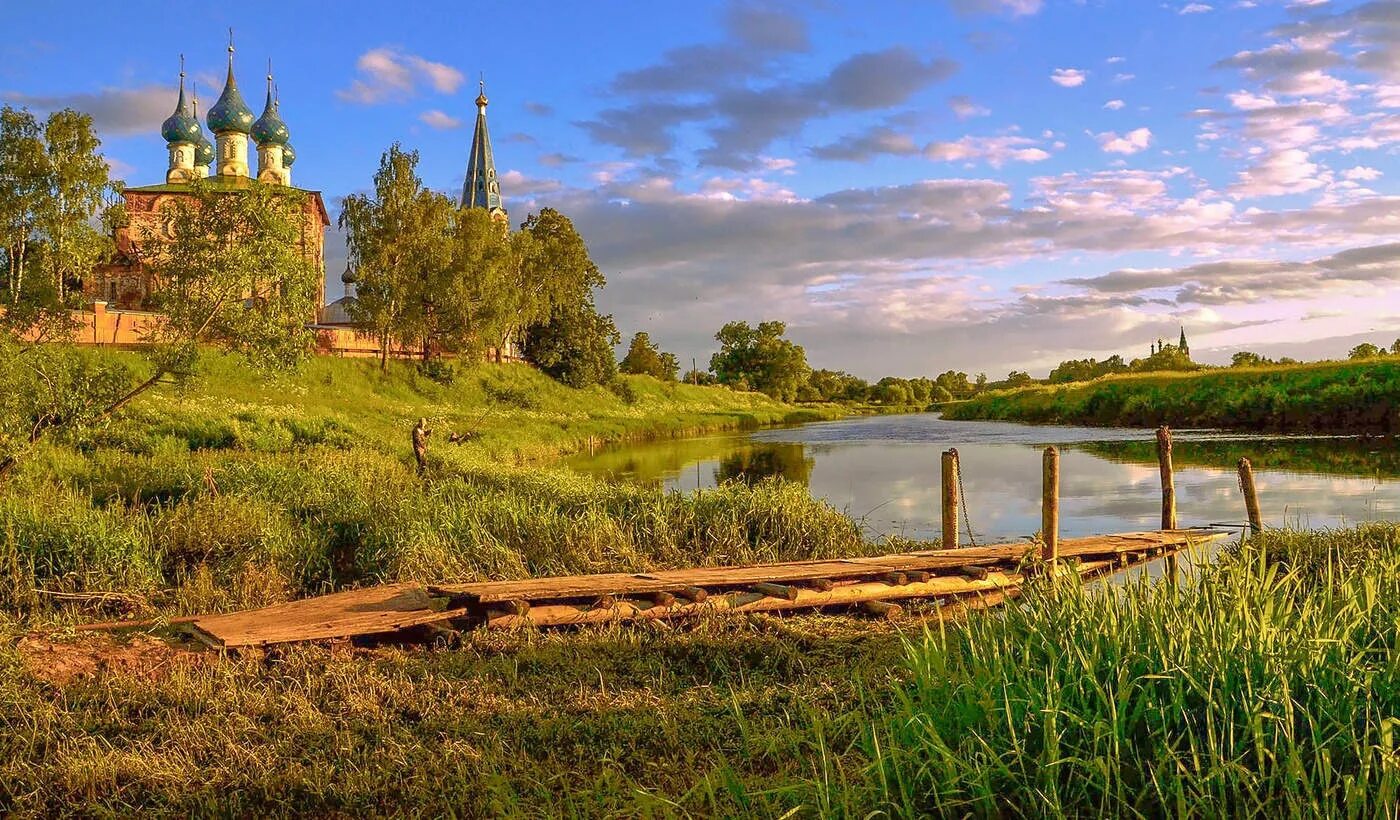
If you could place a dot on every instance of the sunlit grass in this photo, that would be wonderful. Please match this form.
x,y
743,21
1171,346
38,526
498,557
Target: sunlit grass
x,y
1330,397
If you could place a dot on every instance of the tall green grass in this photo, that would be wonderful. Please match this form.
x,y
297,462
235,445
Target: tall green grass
x,y
1334,397
1267,686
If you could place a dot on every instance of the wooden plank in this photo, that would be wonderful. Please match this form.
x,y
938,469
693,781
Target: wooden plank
x,y
339,615
579,586
564,614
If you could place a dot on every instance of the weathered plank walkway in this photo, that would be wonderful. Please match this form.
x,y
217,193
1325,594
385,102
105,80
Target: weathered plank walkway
x,y
974,576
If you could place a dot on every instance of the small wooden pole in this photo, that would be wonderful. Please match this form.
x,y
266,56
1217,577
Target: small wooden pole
x,y
950,499
882,609
1164,462
1050,505
1251,496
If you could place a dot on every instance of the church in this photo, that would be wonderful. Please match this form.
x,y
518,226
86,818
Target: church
x,y
125,284
120,291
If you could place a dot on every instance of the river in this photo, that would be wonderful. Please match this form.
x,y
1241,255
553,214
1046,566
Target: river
x,y
884,472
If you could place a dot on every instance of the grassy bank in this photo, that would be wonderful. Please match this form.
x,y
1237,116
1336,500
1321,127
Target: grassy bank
x,y
246,491
1336,397
1268,687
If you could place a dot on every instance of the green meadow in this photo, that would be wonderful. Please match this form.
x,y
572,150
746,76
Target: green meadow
x,y
1327,397
1263,685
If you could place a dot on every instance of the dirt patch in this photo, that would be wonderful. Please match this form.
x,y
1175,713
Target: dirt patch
x,y
89,656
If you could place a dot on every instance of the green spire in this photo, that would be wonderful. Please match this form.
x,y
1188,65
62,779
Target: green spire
x,y
480,189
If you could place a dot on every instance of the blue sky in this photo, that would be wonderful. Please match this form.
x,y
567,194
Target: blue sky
x,y
970,184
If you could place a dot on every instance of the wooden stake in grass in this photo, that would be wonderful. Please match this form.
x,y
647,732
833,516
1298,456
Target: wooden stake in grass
x,y
1164,462
1251,496
950,500
1050,505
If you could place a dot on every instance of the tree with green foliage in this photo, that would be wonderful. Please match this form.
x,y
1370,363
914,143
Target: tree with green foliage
x,y
891,391
956,383
1083,370
22,190
468,282
759,358
1366,350
1245,358
837,385
553,272
1018,378
697,376
76,181
645,358
232,276
380,237
575,346
52,183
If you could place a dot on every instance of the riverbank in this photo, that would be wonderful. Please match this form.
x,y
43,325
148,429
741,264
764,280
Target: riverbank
x,y
1332,397
244,491
1108,704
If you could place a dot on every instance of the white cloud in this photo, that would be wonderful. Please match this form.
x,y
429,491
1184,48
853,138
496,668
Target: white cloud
x,y
1132,142
1361,173
1068,77
995,151
388,74
1195,8
440,120
1290,171
1114,105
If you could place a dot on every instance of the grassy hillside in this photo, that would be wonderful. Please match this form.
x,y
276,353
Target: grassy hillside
x,y
245,491
1354,397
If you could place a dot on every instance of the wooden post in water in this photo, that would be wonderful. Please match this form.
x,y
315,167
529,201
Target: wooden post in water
x,y
1164,462
950,499
1251,497
1050,505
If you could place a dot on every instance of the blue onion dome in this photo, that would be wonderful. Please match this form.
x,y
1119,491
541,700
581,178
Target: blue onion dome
x,y
203,149
181,126
269,129
230,113
289,156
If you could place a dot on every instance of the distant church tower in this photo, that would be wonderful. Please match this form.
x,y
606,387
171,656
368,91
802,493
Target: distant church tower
x,y
481,189
1185,351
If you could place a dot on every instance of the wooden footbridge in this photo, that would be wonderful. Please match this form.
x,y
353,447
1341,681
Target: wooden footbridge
x,y
955,578
972,577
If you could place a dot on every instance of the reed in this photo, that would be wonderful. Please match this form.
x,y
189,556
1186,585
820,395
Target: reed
x,y
1266,686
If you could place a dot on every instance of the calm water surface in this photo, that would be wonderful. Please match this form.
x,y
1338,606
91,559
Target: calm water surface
x,y
884,471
